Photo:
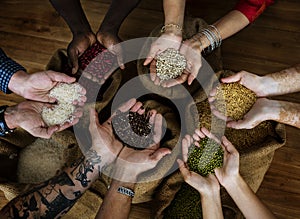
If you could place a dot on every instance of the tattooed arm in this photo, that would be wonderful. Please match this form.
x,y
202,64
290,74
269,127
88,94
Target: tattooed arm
x,y
55,197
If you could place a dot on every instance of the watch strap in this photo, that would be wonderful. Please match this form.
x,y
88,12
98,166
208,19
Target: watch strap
x,y
126,191
4,130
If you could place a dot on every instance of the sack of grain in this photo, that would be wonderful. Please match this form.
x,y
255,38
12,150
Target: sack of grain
x,y
256,148
190,28
150,180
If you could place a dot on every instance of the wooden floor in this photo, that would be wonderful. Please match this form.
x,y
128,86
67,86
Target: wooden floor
x,y
30,32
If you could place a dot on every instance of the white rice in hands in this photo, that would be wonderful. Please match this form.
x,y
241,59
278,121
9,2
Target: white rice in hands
x,y
65,95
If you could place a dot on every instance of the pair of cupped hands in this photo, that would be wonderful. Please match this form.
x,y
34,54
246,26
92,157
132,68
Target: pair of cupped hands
x,y
130,163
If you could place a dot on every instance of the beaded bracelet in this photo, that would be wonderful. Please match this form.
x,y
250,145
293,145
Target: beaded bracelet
x,y
178,27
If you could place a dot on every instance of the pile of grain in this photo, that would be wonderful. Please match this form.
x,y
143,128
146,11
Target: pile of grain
x,y
185,205
170,64
205,158
62,112
133,129
234,100
242,139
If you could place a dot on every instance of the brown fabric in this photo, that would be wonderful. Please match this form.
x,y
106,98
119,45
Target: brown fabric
x,y
191,27
150,180
86,207
255,154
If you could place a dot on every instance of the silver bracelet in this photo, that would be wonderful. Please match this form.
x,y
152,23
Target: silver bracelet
x,y
126,191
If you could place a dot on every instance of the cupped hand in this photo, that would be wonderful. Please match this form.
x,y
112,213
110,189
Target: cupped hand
x,y
131,163
164,42
204,185
79,44
37,86
27,115
230,169
112,43
103,139
191,50
263,109
250,81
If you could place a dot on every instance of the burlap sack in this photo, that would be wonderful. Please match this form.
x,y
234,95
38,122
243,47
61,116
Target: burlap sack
x,y
191,27
256,153
149,181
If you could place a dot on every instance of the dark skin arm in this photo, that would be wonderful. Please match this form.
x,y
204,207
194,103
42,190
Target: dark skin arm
x,y
83,36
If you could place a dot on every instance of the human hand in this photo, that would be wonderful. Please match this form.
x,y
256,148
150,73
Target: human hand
x,y
191,49
230,169
112,43
27,115
79,44
37,86
250,81
204,185
130,163
165,41
103,139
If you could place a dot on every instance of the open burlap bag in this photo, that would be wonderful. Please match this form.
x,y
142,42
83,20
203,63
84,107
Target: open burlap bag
x,y
150,180
190,28
256,148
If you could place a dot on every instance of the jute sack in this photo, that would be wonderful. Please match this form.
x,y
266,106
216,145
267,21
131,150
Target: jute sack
x,y
190,28
256,149
150,180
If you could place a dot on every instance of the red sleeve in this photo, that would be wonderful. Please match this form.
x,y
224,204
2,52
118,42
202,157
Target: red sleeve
x,y
252,8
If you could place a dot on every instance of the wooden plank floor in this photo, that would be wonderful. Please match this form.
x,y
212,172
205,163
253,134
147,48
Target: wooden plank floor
x,y
30,32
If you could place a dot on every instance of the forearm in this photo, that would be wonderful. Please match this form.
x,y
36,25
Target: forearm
x,y
73,14
117,12
211,206
115,204
283,82
174,14
246,200
227,26
55,197
289,113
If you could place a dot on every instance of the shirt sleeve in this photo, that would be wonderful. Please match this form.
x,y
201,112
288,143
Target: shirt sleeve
x,y
252,8
7,68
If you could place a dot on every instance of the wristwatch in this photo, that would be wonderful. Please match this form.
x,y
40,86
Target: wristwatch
x,y
126,191
4,130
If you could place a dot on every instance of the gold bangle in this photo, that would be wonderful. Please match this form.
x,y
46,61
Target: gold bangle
x,y
177,26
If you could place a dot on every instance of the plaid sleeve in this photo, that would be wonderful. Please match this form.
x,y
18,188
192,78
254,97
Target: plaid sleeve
x,y
252,8
7,68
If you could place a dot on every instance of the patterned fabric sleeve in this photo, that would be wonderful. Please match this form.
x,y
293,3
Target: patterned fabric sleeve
x,y
7,68
252,8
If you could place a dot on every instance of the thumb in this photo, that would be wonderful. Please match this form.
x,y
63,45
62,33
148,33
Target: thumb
x,y
73,59
94,120
160,153
60,77
234,78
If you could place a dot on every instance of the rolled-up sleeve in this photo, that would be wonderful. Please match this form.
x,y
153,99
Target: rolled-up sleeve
x,y
7,68
252,8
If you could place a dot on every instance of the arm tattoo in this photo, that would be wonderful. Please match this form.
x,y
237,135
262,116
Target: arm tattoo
x,y
55,197
92,158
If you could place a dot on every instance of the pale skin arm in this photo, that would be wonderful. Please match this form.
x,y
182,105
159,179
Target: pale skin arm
x,y
208,187
229,177
227,26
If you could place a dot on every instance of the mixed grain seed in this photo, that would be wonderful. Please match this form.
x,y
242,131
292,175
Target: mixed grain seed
x,y
170,64
234,100
133,129
63,111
